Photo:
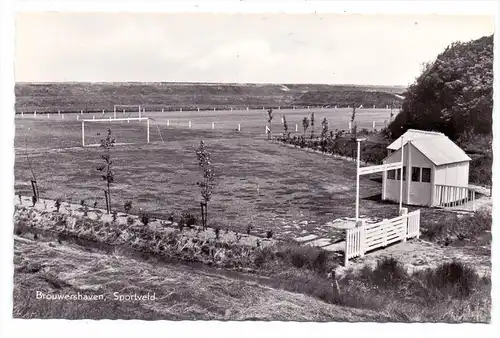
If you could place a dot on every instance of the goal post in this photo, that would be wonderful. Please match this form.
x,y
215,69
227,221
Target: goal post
x,y
127,133
127,107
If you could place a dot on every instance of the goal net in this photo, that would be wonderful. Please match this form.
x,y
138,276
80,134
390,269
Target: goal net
x,y
127,110
125,131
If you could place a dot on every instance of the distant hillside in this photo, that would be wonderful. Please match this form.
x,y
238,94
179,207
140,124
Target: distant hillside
x,y
97,96
454,94
350,97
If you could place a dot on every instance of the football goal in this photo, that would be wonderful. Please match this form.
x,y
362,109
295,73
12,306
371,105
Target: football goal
x,y
127,110
129,130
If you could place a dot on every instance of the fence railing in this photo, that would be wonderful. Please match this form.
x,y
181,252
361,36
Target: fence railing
x,y
449,196
362,239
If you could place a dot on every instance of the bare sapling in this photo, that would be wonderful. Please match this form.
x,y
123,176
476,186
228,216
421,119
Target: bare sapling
x,y
269,120
285,126
207,183
305,124
107,174
312,125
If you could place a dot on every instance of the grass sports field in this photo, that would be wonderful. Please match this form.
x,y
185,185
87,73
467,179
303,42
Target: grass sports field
x,y
259,183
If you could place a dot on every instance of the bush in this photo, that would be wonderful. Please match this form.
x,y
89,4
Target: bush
x,y
455,279
388,273
470,227
57,204
188,219
269,234
308,257
130,220
145,218
127,206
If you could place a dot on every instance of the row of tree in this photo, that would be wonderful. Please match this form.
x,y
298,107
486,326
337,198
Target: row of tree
x,y
310,122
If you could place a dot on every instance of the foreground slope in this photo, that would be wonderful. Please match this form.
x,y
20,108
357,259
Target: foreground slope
x,y
182,293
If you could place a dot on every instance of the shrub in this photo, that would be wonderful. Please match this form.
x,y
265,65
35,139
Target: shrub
x,y
388,273
249,229
188,219
115,214
454,278
217,233
82,203
269,234
130,220
171,217
145,218
127,207
308,257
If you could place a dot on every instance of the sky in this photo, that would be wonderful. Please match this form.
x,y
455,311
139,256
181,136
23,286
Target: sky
x,y
243,48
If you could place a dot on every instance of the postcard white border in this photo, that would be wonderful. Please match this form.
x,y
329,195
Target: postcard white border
x,y
54,328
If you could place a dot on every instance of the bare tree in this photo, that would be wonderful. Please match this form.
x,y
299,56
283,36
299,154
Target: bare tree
x,y
305,124
324,128
269,120
207,183
285,126
107,174
312,125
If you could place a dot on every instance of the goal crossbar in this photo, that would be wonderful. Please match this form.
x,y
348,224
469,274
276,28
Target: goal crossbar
x,y
128,119
117,119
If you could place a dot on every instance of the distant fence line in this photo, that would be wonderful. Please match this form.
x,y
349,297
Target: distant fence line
x,y
20,111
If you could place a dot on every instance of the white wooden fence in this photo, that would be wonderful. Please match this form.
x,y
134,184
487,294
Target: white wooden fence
x,y
362,239
454,197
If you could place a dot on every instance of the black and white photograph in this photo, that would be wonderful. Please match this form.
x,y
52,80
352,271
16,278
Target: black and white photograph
x,y
272,166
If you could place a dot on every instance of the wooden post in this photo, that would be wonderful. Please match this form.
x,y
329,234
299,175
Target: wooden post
x,y
189,124
239,127
408,174
361,225
404,212
373,127
58,112
93,117
34,114
296,127
346,247
77,117
168,123
83,133
357,180
147,122
213,125
48,116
